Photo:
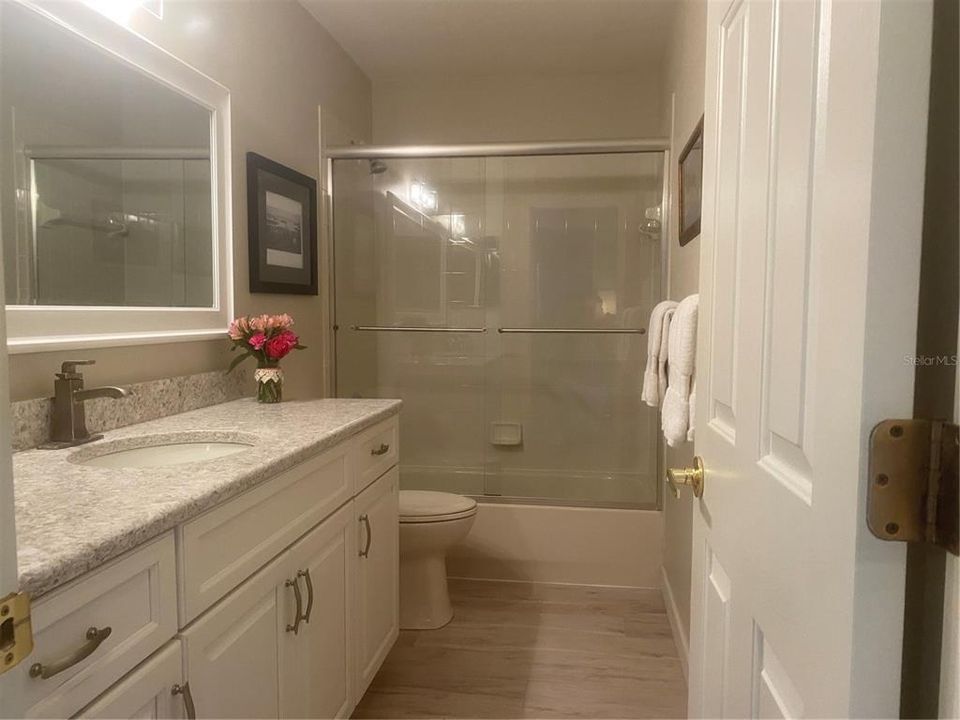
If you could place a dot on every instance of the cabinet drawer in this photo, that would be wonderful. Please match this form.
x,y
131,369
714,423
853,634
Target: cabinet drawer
x,y
147,692
374,452
135,596
226,545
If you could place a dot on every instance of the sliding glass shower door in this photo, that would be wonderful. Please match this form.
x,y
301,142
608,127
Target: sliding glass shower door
x,y
504,300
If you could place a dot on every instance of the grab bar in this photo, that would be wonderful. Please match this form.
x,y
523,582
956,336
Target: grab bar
x,y
390,328
594,331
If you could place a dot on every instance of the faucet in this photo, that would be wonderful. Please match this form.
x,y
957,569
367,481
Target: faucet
x,y
69,422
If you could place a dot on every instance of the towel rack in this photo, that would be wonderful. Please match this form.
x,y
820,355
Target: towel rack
x,y
591,331
391,328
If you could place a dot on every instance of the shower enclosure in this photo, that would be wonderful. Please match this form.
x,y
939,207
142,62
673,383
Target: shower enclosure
x,y
503,294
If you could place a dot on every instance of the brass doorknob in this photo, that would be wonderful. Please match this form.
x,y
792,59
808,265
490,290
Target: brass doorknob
x,y
687,476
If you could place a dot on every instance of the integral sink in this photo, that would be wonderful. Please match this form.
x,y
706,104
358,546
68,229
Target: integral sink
x,y
161,451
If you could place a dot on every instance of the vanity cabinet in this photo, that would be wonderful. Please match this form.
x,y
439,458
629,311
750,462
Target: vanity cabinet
x,y
378,581
281,602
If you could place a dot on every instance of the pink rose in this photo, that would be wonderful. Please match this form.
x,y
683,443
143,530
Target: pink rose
x,y
281,344
257,341
239,328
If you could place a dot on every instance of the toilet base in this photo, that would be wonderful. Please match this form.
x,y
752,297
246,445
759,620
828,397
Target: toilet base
x,y
424,598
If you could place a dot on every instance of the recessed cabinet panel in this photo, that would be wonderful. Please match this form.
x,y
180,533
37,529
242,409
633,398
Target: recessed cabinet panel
x,y
315,672
232,651
377,619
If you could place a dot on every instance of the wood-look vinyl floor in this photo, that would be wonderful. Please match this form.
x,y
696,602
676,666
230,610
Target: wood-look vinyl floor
x,y
524,650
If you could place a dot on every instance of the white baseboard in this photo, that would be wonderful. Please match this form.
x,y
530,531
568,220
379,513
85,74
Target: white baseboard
x,y
676,624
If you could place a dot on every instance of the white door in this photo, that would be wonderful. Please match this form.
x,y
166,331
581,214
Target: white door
x,y
377,622
815,122
315,670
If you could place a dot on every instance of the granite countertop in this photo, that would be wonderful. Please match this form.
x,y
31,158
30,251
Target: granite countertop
x,y
72,518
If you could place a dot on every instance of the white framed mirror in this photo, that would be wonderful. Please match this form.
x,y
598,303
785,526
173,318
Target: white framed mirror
x,y
114,185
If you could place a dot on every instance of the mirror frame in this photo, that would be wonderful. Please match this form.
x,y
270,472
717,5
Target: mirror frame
x,y
37,328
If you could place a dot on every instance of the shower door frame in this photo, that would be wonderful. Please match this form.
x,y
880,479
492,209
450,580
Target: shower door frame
x,y
519,149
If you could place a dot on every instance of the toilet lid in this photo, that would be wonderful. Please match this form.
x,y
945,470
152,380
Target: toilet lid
x,y
426,506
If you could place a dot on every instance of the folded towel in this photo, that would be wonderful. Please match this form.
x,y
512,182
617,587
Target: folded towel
x,y
657,336
676,416
663,365
693,408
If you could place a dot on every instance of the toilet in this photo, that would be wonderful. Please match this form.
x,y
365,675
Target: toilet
x,y
430,524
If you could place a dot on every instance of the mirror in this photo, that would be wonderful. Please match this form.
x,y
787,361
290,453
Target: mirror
x,y
106,192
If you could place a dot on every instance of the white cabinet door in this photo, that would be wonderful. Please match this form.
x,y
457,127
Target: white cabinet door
x,y
231,652
147,692
813,174
377,620
315,669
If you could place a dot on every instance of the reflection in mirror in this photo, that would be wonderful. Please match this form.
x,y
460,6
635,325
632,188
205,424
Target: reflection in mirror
x,y
105,182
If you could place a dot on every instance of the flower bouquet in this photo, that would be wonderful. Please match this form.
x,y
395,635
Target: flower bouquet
x,y
267,339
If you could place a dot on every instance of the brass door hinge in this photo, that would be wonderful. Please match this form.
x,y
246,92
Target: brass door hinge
x,y
16,631
913,482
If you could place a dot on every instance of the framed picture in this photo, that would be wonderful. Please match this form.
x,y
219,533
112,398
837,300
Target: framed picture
x,y
691,185
281,228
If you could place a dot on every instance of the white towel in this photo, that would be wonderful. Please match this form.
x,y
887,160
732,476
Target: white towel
x,y
693,408
676,417
656,343
663,365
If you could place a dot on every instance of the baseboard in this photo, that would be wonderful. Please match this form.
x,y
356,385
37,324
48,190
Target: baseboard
x,y
676,624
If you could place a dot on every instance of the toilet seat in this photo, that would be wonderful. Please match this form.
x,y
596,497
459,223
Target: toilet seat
x,y
426,506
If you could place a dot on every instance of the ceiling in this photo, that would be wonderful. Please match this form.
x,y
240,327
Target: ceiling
x,y
402,38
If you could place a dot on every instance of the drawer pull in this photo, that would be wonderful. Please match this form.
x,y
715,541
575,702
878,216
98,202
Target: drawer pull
x,y
306,575
366,548
184,690
382,450
295,628
95,637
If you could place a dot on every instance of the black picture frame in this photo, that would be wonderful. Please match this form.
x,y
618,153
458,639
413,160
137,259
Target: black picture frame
x,y
281,228
691,185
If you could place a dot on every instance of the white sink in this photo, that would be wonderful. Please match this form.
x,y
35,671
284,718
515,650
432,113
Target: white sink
x,y
159,452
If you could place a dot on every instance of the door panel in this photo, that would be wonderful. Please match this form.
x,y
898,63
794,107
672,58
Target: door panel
x,y
315,668
377,621
813,176
232,651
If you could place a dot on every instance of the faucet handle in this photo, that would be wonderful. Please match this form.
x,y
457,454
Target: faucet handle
x,y
68,370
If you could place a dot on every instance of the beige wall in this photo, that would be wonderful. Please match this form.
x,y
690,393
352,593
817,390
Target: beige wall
x,y
279,65
684,83
518,108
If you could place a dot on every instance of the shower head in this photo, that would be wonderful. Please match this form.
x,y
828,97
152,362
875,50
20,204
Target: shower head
x,y
377,167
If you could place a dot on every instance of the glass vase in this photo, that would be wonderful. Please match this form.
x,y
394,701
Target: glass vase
x,y
269,384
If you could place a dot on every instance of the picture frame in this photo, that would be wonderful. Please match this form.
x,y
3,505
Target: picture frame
x,y
281,228
691,185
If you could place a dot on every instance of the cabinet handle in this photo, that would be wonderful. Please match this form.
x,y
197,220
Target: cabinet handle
x,y
306,575
95,636
366,548
295,628
382,450
184,690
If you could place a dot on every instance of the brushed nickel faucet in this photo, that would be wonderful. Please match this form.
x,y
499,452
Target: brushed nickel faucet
x,y
69,421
